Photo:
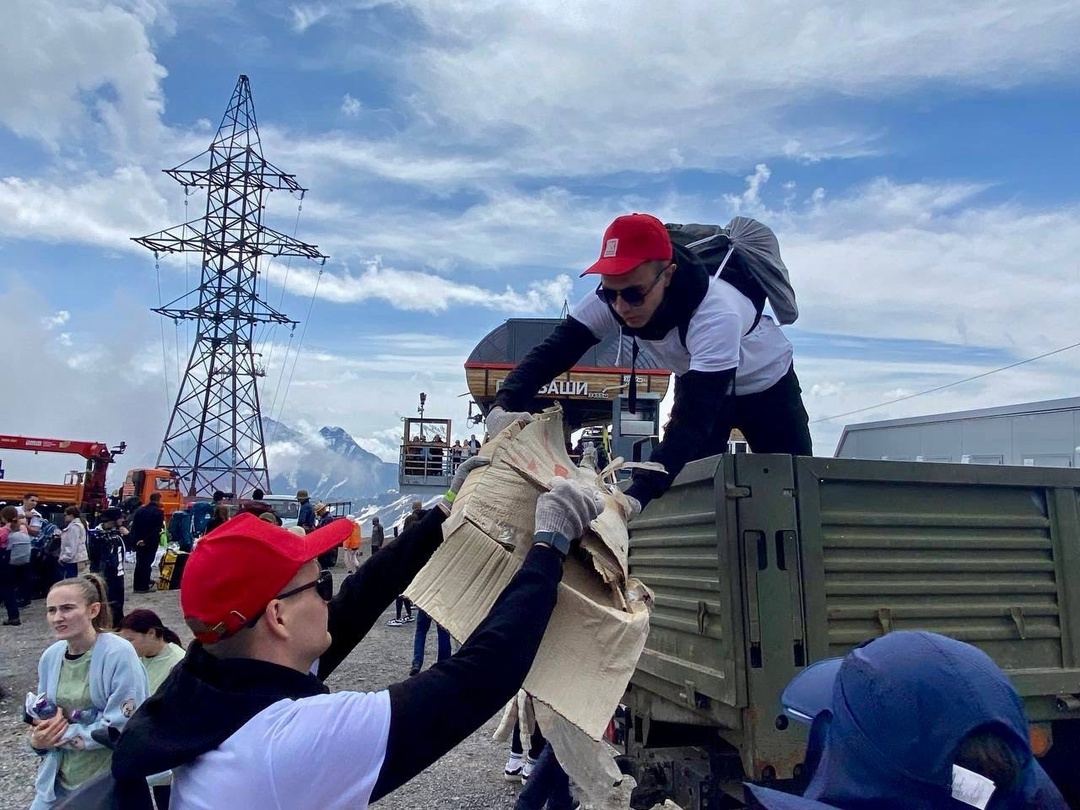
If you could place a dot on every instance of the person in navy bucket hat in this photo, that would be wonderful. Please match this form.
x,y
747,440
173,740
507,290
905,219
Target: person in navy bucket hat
x,y
912,721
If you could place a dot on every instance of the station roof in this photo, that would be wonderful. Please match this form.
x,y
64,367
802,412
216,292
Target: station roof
x,y
508,344
1024,409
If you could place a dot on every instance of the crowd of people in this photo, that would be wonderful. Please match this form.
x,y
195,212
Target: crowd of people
x,y
36,553
112,725
435,457
123,717
90,683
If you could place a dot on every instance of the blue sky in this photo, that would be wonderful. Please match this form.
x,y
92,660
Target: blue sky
x,y
920,167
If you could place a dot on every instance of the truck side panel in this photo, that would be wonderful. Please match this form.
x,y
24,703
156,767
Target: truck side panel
x,y
694,650
12,492
812,556
985,555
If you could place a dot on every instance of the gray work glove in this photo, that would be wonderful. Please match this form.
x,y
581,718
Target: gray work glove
x,y
466,467
568,508
499,420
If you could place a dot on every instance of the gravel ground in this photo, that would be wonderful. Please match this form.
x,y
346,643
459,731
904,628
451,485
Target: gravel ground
x,y
468,778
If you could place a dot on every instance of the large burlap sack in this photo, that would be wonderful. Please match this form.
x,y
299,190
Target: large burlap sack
x,y
600,623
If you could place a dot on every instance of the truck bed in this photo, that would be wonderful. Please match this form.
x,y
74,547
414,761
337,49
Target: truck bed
x,y
12,492
763,564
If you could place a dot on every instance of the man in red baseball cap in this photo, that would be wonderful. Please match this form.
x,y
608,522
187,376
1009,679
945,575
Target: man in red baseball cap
x,y
732,364
245,720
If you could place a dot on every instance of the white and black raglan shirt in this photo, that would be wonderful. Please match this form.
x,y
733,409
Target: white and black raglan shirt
x,y
317,751
249,734
724,354
716,339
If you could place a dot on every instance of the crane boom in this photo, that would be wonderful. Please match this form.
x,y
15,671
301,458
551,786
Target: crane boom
x,y
88,492
87,450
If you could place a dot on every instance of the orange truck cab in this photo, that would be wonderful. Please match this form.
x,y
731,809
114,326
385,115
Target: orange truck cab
x,y
143,483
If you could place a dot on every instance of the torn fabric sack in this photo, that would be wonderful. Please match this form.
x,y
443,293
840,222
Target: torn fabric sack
x,y
599,626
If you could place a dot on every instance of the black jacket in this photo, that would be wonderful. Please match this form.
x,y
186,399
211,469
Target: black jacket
x,y
147,523
205,699
702,407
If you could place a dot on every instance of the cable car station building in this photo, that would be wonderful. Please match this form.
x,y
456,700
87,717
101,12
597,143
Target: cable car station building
x,y
593,392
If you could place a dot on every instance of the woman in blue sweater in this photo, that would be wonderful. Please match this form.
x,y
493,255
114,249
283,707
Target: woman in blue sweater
x,y
91,678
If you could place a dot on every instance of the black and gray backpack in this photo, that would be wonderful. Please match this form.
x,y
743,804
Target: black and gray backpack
x,y
745,254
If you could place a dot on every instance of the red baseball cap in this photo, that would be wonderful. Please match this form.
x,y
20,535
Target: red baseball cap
x,y
238,568
629,241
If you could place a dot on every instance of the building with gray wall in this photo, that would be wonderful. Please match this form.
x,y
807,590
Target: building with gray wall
x,y
1038,434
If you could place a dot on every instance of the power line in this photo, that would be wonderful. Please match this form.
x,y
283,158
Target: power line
x,y
164,354
296,355
947,385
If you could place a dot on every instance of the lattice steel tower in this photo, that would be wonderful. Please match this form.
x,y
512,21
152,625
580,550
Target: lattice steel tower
x,y
215,434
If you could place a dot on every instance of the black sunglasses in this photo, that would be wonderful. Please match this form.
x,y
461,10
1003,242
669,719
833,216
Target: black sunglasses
x,y
323,585
633,296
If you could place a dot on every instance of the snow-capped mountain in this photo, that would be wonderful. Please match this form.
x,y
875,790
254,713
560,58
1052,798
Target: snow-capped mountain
x,y
391,509
328,463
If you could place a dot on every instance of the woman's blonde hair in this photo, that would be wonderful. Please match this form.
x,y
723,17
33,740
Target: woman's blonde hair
x,y
93,590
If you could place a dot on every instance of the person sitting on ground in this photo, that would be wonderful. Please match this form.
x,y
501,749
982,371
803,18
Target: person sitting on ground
x,y
259,609
913,721
92,677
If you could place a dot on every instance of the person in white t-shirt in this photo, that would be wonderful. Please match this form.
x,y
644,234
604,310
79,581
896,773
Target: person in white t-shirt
x,y
29,514
245,720
732,365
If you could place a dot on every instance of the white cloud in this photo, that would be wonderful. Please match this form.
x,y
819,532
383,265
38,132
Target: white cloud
x,y
109,393
58,318
72,68
580,88
749,202
422,292
350,106
305,15
91,209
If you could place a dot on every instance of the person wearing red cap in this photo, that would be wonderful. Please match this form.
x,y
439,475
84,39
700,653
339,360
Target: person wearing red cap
x,y
245,720
733,368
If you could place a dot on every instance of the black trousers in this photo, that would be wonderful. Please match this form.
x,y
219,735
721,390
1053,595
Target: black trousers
x,y
773,420
144,563
536,742
10,578
114,591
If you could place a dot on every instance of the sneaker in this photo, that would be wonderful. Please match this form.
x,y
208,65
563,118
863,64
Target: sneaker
x,y
527,768
512,771
395,623
409,618
414,671
12,622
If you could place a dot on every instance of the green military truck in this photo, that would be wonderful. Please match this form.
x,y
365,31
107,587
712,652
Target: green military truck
x,y
763,564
